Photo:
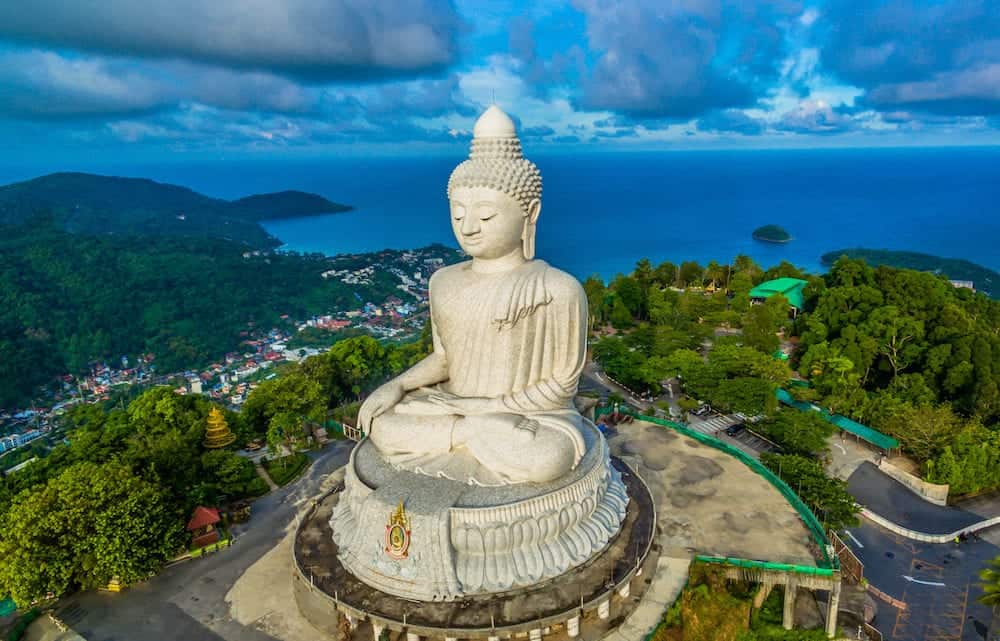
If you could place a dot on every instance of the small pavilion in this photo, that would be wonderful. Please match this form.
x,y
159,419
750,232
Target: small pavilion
x,y
202,526
790,288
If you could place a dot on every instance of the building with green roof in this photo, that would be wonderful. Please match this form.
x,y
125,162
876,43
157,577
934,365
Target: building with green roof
x,y
790,288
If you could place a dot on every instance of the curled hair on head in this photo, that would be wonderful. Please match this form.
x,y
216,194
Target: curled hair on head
x,y
519,178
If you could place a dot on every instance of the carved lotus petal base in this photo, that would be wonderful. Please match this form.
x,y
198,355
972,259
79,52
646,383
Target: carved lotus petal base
x,y
466,540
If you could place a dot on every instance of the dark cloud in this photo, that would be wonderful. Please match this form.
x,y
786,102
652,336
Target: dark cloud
x,y
815,117
677,60
46,85
938,57
313,39
730,121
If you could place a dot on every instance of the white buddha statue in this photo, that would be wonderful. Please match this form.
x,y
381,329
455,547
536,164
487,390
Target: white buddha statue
x,y
492,404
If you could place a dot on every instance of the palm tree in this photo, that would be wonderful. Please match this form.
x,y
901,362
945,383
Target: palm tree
x,y
990,577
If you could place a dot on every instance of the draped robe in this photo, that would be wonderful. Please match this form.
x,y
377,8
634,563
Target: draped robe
x,y
518,337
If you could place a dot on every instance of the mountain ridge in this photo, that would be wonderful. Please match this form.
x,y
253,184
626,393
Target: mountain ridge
x,y
96,204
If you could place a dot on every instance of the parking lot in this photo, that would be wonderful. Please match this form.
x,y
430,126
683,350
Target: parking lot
x,y
711,424
731,429
753,441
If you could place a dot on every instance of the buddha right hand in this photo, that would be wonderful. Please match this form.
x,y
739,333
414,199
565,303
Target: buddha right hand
x,y
380,401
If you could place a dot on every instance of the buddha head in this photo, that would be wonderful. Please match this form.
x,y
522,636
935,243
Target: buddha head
x,y
495,195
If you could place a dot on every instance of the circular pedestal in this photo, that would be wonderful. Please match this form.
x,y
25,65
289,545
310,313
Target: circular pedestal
x,y
435,539
326,591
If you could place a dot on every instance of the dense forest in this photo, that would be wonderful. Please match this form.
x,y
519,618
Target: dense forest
x,y
67,299
984,279
901,350
117,494
92,204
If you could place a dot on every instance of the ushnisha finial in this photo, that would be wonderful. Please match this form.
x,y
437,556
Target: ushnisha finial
x,y
494,123
496,162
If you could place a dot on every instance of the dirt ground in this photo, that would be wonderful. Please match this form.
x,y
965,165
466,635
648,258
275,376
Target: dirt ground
x,y
710,503
262,597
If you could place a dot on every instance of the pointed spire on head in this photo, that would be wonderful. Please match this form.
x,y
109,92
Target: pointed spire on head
x,y
494,123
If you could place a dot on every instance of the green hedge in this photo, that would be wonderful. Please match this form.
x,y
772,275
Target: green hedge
x,y
286,468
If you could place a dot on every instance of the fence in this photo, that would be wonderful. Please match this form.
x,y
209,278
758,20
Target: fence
x,y
849,562
827,560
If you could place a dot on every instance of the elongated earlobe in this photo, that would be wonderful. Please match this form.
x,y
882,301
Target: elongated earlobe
x,y
528,234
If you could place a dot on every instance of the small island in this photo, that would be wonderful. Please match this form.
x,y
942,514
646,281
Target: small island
x,y
772,234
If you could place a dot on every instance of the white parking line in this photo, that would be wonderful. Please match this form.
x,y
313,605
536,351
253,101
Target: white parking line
x,y
934,583
854,538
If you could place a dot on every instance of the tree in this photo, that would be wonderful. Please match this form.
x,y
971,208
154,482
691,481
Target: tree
x,y
665,274
743,264
85,526
596,293
990,577
924,431
690,273
229,473
629,291
620,316
759,329
802,433
295,394
828,498
898,337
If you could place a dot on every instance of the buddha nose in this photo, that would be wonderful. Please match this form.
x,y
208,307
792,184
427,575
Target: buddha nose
x,y
470,225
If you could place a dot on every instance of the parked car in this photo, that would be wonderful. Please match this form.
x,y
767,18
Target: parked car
x,y
733,430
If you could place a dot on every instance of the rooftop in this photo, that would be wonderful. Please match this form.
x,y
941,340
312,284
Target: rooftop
x,y
790,288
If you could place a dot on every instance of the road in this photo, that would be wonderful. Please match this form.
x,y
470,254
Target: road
x,y
187,601
890,498
946,612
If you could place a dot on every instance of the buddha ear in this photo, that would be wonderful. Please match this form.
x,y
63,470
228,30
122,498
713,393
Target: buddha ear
x,y
534,209
528,235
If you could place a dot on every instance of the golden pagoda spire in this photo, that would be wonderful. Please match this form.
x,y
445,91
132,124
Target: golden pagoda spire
x,y
217,434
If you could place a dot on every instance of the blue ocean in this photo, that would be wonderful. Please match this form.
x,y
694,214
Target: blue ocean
x,y
603,211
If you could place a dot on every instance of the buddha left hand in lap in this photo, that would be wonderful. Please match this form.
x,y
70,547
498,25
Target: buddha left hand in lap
x,y
509,340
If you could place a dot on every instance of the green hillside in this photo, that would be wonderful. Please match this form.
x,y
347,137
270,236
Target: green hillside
x,y
91,204
983,278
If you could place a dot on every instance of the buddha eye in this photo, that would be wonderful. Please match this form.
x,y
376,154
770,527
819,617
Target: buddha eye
x,y
486,215
458,212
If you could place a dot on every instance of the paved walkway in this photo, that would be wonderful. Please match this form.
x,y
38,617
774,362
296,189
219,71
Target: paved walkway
x,y
846,454
262,473
670,578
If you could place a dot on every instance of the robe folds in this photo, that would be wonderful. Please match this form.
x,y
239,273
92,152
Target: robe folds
x,y
517,337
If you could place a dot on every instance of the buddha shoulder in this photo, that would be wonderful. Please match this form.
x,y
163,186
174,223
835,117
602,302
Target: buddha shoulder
x,y
562,286
440,279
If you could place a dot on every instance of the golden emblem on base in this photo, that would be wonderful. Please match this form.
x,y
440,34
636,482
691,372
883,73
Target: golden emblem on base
x,y
397,534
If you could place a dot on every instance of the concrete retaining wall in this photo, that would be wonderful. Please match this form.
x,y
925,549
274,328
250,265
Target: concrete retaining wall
x,y
930,492
922,536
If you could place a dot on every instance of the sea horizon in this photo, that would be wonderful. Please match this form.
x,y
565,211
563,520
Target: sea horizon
x,y
601,212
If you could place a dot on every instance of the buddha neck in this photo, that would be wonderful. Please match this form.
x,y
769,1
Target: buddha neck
x,y
506,263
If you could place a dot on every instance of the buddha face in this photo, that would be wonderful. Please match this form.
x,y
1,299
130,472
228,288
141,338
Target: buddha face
x,y
488,223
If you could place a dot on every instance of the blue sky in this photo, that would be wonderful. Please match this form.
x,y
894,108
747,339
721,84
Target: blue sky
x,y
162,78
